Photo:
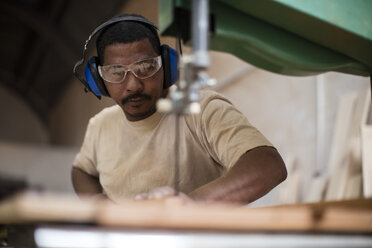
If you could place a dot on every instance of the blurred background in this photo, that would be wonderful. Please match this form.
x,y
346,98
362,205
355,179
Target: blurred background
x,y
44,110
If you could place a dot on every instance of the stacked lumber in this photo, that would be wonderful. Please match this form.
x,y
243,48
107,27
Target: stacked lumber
x,y
366,131
345,175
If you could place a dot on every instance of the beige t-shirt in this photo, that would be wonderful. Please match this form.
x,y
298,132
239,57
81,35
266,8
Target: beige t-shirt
x,y
134,157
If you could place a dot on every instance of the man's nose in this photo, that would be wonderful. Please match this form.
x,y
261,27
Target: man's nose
x,y
133,83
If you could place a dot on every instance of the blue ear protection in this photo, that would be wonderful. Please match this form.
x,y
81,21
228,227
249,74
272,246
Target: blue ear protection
x,y
93,81
170,65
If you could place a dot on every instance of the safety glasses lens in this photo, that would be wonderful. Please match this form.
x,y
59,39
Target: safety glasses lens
x,y
113,73
141,69
146,68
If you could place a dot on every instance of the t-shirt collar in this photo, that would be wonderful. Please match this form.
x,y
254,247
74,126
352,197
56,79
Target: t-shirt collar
x,y
145,124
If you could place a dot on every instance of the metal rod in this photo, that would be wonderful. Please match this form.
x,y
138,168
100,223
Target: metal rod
x,y
200,28
176,154
320,125
188,89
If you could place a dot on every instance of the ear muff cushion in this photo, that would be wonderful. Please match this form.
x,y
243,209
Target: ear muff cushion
x,y
170,65
173,55
93,78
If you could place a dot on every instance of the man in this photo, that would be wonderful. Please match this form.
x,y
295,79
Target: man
x,y
128,148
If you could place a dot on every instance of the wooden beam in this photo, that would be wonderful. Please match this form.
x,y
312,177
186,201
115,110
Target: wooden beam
x,y
342,216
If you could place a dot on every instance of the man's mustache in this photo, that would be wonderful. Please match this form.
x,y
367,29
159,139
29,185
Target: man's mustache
x,y
133,96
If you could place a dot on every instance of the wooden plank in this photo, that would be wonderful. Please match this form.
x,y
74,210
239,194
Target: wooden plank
x,y
316,191
354,187
203,217
366,128
346,158
289,190
296,218
367,160
342,131
30,207
352,216
338,166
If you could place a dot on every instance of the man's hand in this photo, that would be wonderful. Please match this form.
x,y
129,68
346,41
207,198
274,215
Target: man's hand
x,y
164,193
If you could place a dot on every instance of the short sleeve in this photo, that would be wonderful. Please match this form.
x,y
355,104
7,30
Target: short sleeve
x,y
226,132
86,159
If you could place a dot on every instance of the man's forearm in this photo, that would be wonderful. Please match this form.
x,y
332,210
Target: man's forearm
x,y
85,184
255,174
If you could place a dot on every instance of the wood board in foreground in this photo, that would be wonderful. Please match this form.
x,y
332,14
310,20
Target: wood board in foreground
x,y
341,216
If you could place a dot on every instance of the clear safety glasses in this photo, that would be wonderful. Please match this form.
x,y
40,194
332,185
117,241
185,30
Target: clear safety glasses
x,y
141,69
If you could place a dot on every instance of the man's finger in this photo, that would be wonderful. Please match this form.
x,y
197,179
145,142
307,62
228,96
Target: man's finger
x,y
142,196
161,192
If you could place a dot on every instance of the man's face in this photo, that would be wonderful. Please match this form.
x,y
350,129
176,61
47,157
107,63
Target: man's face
x,y
137,97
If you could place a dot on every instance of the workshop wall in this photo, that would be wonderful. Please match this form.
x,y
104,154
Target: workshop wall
x,y
19,122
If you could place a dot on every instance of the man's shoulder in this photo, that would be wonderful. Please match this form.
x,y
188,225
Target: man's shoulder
x,y
210,102
208,97
108,113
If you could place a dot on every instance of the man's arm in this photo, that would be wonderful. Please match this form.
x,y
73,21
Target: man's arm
x,y
255,174
85,184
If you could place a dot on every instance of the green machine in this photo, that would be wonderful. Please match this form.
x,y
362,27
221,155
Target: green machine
x,y
291,37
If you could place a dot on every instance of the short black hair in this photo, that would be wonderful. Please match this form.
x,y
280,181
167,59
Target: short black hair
x,y
126,32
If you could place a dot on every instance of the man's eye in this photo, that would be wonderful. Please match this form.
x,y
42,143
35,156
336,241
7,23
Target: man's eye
x,y
118,73
146,66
